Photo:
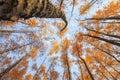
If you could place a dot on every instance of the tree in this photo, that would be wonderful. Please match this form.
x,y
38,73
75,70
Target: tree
x,y
13,10
33,49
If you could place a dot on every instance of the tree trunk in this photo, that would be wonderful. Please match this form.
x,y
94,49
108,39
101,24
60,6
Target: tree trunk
x,y
15,9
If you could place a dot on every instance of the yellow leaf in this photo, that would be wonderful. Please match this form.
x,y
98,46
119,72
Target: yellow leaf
x,y
32,22
44,78
110,10
34,52
55,47
84,8
45,32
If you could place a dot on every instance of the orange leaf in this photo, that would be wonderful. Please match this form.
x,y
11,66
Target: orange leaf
x,y
42,70
89,59
65,44
29,77
76,49
32,22
55,47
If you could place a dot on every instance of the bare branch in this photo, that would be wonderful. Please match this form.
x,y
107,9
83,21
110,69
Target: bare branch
x,y
103,39
117,17
80,69
37,72
106,69
101,72
17,47
84,63
11,67
16,31
68,67
116,36
105,52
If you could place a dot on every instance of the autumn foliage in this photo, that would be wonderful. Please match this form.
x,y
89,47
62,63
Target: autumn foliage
x,y
88,49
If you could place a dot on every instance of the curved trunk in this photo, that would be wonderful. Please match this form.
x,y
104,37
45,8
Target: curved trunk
x,y
15,9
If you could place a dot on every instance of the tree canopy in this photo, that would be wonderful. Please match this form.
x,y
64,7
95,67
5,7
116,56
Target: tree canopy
x,y
59,40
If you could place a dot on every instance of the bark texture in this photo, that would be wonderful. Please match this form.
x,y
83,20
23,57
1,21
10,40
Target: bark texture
x,y
15,9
